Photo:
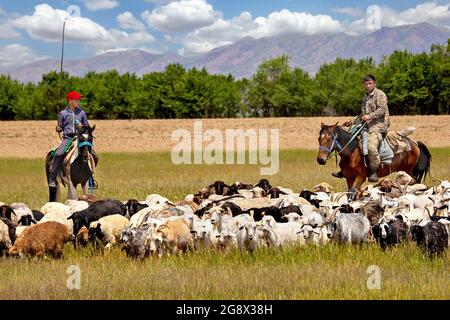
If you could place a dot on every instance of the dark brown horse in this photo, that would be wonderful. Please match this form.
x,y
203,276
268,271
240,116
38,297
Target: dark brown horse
x,y
333,138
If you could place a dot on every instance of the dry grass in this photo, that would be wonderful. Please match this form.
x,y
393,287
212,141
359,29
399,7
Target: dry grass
x,y
28,139
329,272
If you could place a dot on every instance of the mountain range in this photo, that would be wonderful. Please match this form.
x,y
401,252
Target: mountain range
x,y
242,57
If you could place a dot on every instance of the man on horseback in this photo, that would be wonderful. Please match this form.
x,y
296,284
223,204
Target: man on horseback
x,y
68,120
375,113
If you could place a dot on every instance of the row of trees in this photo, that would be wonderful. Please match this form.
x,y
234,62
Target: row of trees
x,y
414,83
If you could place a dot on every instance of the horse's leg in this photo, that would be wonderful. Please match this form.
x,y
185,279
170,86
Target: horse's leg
x,y
86,188
58,192
358,182
72,191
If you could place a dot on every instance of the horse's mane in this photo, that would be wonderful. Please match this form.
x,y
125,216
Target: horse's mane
x,y
344,137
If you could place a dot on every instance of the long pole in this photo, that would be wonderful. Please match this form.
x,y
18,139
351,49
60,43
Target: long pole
x,y
61,74
62,47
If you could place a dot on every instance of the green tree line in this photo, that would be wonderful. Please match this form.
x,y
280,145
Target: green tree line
x,y
414,84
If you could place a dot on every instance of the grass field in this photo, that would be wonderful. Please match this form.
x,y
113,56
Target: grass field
x,y
329,272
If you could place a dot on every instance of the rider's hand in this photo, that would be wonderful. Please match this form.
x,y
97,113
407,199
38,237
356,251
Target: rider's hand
x,y
58,129
365,117
348,123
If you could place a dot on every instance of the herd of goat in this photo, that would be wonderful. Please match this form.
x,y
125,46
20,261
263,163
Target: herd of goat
x,y
244,216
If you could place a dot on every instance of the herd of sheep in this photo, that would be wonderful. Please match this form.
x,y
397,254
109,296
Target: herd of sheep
x,y
244,216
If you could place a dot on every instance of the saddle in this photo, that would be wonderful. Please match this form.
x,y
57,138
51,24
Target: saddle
x,y
394,142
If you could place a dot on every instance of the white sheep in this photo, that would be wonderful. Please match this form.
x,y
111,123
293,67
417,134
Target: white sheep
x,y
227,240
77,205
109,228
55,211
140,218
5,241
20,209
248,237
288,232
204,235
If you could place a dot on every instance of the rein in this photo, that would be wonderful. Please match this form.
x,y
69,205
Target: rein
x,y
91,180
335,143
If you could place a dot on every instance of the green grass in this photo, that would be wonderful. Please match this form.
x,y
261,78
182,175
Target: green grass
x,y
330,272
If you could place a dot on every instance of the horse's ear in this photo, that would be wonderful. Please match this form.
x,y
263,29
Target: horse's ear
x,y
322,125
93,128
335,125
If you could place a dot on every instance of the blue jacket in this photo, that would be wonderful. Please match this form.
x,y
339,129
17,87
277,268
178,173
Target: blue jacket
x,y
68,121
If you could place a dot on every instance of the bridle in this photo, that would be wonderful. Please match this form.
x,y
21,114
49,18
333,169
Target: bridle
x,y
85,143
332,148
335,142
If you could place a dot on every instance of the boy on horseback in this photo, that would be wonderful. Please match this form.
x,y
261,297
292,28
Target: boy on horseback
x,y
68,120
375,113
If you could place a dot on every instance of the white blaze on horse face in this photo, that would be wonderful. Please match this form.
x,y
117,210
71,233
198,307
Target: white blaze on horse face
x,y
85,135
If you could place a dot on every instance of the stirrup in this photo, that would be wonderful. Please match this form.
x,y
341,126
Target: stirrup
x,y
94,184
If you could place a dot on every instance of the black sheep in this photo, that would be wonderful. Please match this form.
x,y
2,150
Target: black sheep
x,y
26,220
234,208
11,229
264,184
134,206
291,208
6,212
259,213
95,211
432,238
37,215
220,188
310,197
389,234
275,193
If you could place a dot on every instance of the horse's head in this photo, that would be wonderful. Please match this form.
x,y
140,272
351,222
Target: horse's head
x,y
327,142
85,138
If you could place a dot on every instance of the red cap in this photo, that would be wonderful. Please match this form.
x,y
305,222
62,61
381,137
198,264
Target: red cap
x,y
73,95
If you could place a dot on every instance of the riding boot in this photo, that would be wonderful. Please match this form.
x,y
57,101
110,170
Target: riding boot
x,y
55,169
339,174
373,177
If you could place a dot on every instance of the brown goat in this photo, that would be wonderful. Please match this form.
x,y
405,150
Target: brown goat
x,y
41,238
373,212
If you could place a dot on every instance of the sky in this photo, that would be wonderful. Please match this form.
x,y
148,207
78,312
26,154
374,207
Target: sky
x,y
30,30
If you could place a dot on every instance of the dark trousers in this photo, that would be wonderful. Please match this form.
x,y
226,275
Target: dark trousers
x,y
58,159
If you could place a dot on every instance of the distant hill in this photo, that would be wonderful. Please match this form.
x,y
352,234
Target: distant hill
x,y
242,58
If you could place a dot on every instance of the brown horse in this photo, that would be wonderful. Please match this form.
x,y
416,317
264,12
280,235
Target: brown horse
x,y
333,138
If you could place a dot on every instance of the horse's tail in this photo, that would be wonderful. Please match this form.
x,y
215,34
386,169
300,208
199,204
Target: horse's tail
x,y
47,164
422,167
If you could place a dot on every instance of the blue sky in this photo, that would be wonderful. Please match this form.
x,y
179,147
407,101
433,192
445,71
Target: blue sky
x,y
30,29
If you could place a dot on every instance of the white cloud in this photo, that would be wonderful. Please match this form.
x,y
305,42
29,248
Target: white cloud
x,y
430,12
424,12
15,54
127,20
159,2
94,5
181,16
354,12
223,32
6,29
46,24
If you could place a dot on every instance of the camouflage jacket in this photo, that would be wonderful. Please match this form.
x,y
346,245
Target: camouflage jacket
x,y
375,106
